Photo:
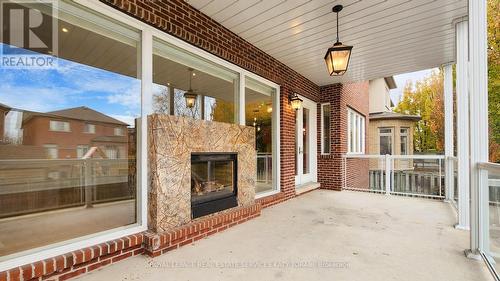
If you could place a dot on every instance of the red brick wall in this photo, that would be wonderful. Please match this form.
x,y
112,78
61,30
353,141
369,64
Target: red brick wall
x,y
181,20
37,132
330,167
78,262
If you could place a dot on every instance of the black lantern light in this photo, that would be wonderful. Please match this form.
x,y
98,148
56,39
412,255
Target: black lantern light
x,y
295,101
337,57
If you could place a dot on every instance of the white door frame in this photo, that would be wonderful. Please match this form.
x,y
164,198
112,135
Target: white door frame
x,y
312,176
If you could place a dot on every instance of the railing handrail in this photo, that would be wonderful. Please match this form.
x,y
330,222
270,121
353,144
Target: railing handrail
x,y
490,167
65,161
368,156
380,156
423,157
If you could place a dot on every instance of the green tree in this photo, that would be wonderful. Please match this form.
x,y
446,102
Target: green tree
x,y
425,98
494,79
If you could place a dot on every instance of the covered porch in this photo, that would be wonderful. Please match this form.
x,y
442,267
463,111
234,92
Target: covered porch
x,y
323,235
266,53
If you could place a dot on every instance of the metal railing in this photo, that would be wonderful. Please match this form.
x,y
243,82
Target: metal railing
x,y
265,168
411,175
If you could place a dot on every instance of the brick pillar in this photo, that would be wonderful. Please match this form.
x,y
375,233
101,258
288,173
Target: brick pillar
x,y
341,97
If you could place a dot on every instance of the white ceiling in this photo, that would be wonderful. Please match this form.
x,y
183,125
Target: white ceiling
x,y
389,36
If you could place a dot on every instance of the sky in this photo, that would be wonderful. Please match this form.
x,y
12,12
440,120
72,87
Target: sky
x,y
70,85
401,80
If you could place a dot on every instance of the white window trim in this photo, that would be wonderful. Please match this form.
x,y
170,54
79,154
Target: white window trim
x,y
51,146
118,131
59,121
146,53
391,134
85,128
359,121
407,135
323,126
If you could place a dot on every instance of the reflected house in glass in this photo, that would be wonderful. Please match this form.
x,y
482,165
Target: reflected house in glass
x,y
74,131
54,149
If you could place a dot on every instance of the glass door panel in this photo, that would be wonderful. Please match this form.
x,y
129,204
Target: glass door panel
x,y
305,143
305,140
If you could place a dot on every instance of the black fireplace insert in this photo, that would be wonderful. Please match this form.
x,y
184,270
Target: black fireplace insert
x,y
214,180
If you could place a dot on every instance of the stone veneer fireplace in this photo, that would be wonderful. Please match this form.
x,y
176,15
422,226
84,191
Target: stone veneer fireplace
x,y
179,147
214,182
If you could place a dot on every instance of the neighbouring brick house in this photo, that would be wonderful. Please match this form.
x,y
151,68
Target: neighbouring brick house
x,y
70,133
388,132
178,43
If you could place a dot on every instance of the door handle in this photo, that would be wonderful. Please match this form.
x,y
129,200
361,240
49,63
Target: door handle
x,y
300,150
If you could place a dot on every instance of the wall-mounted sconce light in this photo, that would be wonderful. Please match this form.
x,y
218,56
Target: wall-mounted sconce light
x,y
295,101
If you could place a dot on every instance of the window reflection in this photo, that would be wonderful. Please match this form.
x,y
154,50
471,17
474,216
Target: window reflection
x,y
258,114
175,72
68,136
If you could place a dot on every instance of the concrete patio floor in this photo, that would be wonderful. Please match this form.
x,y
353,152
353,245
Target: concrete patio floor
x,y
322,235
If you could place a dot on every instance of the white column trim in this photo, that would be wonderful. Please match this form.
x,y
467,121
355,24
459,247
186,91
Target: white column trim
x,y
146,109
462,37
478,100
448,131
240,98
388,169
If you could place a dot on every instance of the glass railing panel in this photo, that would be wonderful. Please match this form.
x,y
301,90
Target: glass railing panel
x,y
418,176
494,217
365,172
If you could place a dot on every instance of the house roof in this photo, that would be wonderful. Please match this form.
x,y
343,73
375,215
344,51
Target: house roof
x,y
393,116
77,113
391,83
4,106
87,114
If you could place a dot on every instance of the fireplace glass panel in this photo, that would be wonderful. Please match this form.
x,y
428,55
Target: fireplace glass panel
x,y
212,178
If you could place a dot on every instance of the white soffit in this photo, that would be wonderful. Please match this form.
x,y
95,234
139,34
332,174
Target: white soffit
x,y
389,36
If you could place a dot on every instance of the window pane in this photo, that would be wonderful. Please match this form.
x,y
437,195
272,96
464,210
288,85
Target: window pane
x,y
357,135
42,163
404,145
385,141
259,114
353,129
305,140
89,129
356,132
178,74
326,128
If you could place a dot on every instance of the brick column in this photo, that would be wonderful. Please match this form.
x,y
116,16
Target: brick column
x,y
341,97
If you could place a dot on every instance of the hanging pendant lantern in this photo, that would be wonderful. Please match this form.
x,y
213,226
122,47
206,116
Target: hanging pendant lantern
x,y
190,96
337,57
